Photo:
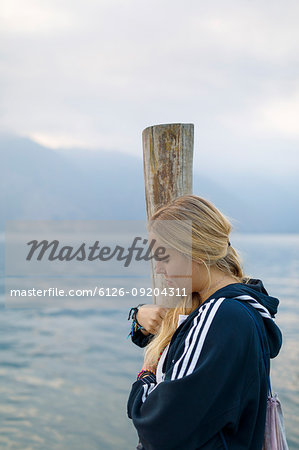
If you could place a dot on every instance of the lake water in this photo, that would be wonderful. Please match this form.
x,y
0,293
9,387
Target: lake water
x,y
66,374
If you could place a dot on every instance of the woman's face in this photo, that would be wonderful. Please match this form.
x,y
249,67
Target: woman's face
x,y
176,269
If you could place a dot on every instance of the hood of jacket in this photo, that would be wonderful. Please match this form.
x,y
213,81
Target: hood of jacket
x,y
255,289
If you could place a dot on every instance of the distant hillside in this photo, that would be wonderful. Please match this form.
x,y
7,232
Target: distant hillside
x,y
39,183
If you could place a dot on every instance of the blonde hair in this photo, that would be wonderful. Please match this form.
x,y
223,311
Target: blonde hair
x,y
210,238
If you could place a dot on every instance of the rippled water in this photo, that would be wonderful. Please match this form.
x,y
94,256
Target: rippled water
x,y
66,374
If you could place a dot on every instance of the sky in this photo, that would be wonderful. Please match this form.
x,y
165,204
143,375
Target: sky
x,y
95,73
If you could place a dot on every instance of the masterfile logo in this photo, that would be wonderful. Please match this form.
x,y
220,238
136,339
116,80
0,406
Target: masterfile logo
x,y
53,250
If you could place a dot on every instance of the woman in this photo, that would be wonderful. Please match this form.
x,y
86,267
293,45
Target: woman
x,y
203,384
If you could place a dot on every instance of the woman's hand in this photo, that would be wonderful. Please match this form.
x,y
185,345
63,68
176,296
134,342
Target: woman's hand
x,y
150,317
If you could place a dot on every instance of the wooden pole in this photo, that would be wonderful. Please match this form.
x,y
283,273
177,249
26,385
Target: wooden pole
x,y
167,162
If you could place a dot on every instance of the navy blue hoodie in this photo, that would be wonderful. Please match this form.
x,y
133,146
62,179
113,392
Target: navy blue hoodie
x,y
214,391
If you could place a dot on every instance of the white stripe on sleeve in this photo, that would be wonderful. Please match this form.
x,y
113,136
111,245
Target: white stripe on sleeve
x,y
203,335
196,320
198,329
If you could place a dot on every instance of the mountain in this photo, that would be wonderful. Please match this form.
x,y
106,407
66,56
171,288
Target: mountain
x,y
39,183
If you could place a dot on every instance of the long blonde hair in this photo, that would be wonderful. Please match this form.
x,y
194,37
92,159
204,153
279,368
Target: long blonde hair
x,y
210,237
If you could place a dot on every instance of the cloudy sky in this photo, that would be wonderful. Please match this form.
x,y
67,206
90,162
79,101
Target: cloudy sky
x,y
95,73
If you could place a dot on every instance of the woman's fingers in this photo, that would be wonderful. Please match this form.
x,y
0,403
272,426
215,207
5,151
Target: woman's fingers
x,y
151,316
163,311
155,325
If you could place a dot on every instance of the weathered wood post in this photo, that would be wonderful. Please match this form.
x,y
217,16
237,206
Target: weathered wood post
x,y
167,162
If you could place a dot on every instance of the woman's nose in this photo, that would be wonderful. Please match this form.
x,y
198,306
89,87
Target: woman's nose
x,y
159,267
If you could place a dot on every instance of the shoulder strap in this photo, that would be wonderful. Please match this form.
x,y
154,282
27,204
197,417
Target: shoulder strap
x,y
266,360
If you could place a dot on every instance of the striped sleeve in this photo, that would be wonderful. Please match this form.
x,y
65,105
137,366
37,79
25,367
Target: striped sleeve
x,y
195,339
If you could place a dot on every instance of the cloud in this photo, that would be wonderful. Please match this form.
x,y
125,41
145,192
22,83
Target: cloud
x,y
96,73
281,115
33,17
